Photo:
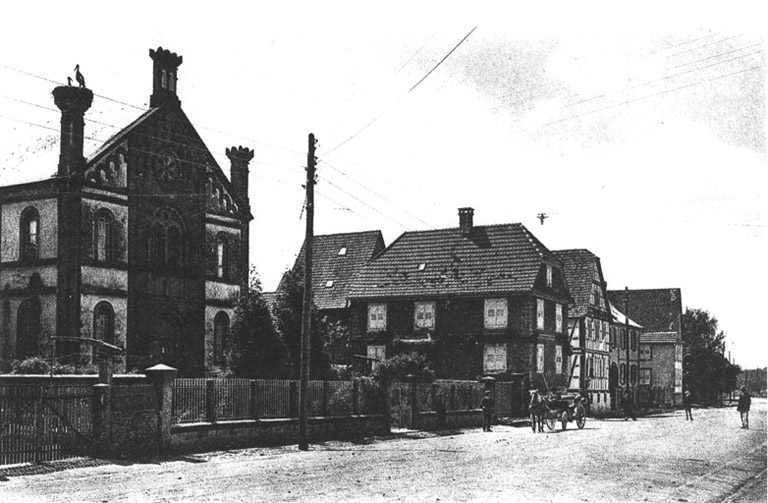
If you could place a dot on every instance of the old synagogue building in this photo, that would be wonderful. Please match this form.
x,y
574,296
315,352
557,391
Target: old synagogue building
x,y
143,245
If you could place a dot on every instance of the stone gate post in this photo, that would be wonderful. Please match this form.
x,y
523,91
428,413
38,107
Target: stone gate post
x,y
162,376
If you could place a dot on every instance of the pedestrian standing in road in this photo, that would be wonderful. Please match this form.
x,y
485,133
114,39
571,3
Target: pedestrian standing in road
x,y
743,407
626,404
487,404
687,405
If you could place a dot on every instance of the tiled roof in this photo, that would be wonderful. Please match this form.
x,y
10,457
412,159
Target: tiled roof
x,y
492,259
658,310
660,338
578,267
329,266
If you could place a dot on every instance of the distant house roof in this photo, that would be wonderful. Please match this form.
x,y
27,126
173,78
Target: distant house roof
x,y
489,259
336,259
658,310
660,338
620,318
579,269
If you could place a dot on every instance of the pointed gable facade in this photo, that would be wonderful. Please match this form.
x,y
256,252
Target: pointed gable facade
x,y
589,319
146,241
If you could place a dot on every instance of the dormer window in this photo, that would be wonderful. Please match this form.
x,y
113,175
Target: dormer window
x,y
421,266
329,283
343,251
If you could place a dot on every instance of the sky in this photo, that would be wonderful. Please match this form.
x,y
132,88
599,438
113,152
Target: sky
x,y
640,132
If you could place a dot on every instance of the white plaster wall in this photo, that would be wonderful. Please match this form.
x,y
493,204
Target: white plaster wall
x,y
47,209
104,278
18,277
221,291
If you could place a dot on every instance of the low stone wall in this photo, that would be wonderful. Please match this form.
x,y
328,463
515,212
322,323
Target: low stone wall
x,y
454,420
197,437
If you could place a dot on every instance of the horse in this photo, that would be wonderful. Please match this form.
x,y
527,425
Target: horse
x,y
537,407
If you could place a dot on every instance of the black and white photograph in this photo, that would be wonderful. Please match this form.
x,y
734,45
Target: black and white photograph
x,y
403,252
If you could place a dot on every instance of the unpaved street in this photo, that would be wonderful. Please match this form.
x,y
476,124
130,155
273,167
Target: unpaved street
x,y
663,458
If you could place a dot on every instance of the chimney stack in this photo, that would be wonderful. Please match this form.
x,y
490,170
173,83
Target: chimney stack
x,y
465,220
164,77
73,102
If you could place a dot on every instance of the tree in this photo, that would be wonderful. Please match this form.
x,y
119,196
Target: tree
x,y
255,349
288,315
706,371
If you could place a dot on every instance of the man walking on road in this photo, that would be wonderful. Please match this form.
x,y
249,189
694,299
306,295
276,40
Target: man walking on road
x,y
743,407
487,405
687,405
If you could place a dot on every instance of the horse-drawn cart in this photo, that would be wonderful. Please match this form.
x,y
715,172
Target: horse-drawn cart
x,y
563,407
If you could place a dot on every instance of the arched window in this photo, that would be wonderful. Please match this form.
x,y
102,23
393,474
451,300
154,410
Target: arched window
x,y
623,373
623,339
613,338
220,336
30,234
165,241
633,375
221,256
104,322
28,329
103,229
174,246
633,339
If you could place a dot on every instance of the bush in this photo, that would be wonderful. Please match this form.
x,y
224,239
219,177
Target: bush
x,y
400,366
38,366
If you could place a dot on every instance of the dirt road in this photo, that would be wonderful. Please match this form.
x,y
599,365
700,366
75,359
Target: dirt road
x,y
663,458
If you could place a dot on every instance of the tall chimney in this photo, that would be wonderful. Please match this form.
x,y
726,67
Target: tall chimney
x,y
465,220
165,69
73,102
239,158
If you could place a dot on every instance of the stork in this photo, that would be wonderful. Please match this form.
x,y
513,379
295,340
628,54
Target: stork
x,y
79,76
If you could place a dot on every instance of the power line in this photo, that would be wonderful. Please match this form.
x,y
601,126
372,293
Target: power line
x,y
409,91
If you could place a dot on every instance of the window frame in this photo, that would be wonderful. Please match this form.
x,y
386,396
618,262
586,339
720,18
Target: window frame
x,y
29,251
495,321
540,355
558,317
222,324
222,256
645,376
106,309
103,253
633,340
540,313
428,308
380,321
646,352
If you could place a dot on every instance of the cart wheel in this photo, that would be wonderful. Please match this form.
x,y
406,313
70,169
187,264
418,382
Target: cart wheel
x,y
581,417
550,420
564,419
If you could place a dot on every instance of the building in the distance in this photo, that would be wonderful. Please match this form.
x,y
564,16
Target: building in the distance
x,y
144,244
660,312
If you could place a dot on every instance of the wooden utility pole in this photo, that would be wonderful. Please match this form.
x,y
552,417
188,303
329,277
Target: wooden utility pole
x,y
306,314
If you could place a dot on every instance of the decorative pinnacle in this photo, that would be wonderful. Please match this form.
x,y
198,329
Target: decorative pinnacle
x,y
239,153
167,56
